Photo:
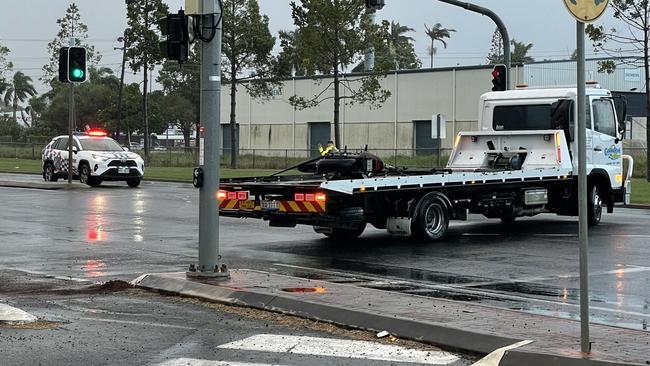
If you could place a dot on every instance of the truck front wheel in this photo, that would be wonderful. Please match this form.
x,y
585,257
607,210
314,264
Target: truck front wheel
x,y
595,206
431,219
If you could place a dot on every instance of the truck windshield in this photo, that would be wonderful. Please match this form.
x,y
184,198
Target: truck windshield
x,y
522,117
99,144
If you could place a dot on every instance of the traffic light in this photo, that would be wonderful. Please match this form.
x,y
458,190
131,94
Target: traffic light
x,y
375,4
499,78
72,65
176,46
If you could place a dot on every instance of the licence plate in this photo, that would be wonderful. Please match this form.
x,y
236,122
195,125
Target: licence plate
x,y
247,205
122,170
270,205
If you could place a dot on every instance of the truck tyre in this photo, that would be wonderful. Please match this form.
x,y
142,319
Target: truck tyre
x,y
431,219
594,206
48,173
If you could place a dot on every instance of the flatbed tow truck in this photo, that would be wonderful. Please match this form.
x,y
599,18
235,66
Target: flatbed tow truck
x,y
522,162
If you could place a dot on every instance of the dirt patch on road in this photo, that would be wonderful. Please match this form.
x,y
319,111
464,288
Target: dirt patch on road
x,y
37,325
100,288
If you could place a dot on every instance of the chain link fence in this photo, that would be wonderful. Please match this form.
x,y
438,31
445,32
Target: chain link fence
x,y
282,158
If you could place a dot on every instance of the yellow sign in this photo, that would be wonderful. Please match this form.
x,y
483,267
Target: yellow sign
x,y
586,11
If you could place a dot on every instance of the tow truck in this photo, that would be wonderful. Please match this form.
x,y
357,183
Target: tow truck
x,y
521,162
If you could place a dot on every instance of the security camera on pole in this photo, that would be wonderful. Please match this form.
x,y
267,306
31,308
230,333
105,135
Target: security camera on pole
x,y
202,20
585,11
372,6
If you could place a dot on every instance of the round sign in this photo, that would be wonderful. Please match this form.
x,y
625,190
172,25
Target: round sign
x,y
586,11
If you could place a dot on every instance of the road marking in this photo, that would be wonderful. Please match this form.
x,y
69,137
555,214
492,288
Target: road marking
x,y
198,362
329,347
146,324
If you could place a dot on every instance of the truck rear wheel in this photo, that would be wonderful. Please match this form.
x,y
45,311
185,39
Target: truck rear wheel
x,y
431,219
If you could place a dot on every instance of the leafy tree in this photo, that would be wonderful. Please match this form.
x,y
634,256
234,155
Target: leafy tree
x,y
289,62
495,56
18,90
143,50
397,50
520,52
631,38
70,25
437,33
181,112
334,35
247,46
184,81
5,64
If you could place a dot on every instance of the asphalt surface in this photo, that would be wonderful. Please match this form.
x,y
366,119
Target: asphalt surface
x,y
85,324
115,232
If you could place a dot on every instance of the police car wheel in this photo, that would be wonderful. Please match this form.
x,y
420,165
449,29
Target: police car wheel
x,y
84,176
133,182
48,173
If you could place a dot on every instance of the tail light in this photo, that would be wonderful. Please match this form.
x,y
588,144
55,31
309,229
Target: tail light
x,y
321,197
299,197
221,195
242,196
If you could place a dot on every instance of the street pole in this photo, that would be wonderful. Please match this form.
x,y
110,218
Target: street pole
x,y
71,123
119,97
500,25
582,192
210,119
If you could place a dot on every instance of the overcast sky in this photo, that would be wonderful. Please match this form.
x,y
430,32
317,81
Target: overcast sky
x,y
545,23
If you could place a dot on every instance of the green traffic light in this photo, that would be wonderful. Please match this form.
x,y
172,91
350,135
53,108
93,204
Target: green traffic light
x,y
77,73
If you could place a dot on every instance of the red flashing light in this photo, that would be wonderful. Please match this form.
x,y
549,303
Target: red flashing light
x,y
310,197
242,196
299,197
232,195
96,133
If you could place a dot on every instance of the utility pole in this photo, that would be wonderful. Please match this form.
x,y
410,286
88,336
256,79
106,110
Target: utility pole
x,y
502,29
209,257
119,98
371,6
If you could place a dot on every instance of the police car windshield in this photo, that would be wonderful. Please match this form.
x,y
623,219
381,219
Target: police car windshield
x,y
105,144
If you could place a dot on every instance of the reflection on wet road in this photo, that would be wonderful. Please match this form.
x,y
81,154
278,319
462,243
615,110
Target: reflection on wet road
x,y
530,265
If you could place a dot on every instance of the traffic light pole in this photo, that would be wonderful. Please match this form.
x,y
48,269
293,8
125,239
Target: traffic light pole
x,y
209,257
72,42
500,25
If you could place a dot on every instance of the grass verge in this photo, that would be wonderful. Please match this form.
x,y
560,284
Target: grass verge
x,y
640,187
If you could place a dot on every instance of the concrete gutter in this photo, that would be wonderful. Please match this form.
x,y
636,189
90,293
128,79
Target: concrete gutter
x,y
44,185
443,334
11,315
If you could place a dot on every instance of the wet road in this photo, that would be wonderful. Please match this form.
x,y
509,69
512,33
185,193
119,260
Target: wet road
x,y
531,265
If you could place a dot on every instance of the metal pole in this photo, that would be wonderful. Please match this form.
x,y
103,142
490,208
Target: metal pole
x,y
369,62
72,42
582,192
495,18
210,116
119,97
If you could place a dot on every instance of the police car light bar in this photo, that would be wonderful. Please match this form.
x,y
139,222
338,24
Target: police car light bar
x,y
96,133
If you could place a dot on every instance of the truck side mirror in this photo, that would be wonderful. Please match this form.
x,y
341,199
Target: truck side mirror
x,y
620,104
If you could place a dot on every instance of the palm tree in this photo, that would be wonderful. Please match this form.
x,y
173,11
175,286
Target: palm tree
x,y
18,90
437,33
520,52
396,39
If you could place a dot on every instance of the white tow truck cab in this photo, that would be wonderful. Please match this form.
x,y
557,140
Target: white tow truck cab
x,y
521,162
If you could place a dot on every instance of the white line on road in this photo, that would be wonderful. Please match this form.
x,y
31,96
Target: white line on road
x,y
198,362
145,324
329,347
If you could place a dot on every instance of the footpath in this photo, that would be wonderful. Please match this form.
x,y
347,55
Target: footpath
x,y
449,324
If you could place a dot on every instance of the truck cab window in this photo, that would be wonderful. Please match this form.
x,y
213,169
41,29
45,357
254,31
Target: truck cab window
x,y
604,119
522,117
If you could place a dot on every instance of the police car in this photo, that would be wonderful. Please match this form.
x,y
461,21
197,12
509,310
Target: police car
x,y
96,158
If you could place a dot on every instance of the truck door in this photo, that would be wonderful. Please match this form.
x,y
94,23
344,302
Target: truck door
x,y
607,148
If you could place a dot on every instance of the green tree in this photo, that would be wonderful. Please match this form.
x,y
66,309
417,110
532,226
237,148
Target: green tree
x,y
181,112
495,56
289,62
334,35
5,64
520,52
247,46
437,33
18,89
70,25
143,50
630,37
184,81
398,51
